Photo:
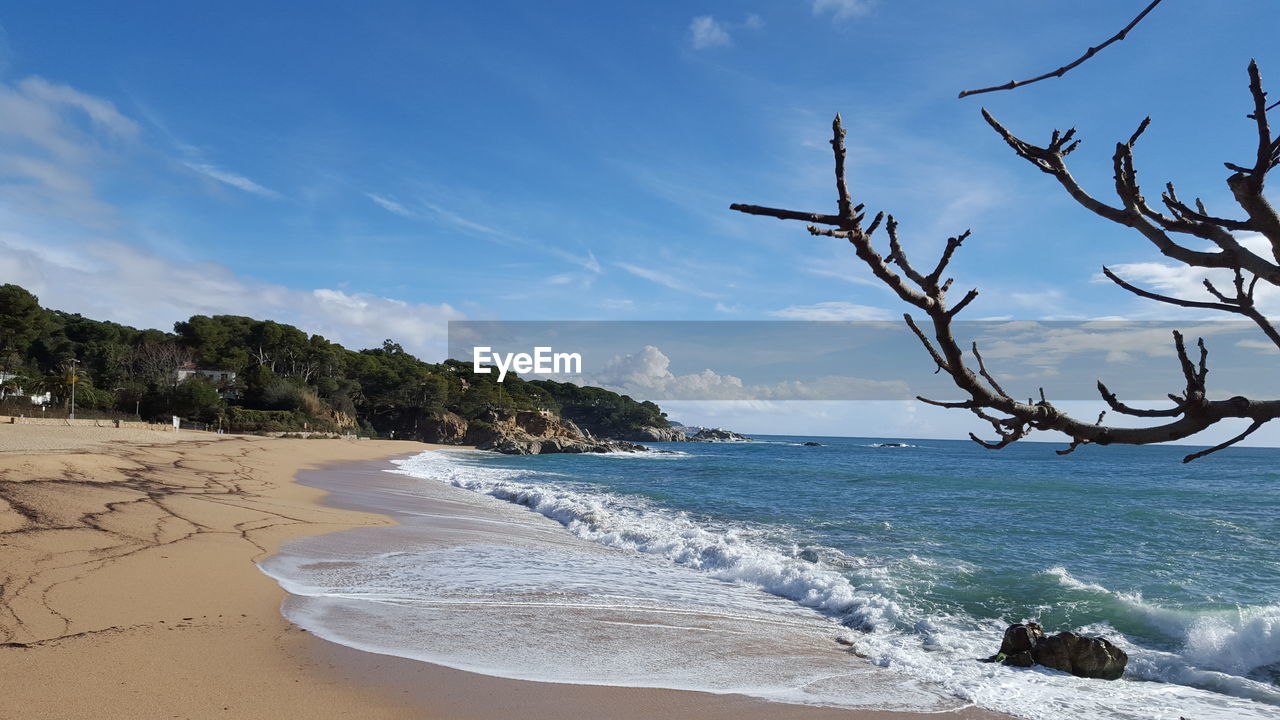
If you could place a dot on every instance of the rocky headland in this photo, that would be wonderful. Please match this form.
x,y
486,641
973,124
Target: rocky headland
x,y
518,432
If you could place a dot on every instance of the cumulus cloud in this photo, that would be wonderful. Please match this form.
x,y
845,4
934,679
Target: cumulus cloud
x,y
832,311
705,32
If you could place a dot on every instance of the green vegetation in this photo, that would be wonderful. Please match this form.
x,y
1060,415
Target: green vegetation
x,y
603,413
284,379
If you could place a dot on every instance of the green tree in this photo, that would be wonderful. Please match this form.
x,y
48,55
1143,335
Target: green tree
x,y
197,399
21,319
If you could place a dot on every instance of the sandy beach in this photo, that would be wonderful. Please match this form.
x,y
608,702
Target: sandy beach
x,y
128,589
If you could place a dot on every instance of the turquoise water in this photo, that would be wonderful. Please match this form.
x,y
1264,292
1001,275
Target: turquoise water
x,y
1201,537
1180,559
919,556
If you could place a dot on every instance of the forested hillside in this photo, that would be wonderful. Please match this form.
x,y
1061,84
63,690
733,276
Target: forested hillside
x,y
285,379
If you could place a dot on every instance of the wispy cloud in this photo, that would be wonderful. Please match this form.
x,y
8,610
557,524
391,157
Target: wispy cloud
x,y
843,10
587,262
832,311
664,279
239,182
43,97
705,32
845,276
47,151
389,205
463,223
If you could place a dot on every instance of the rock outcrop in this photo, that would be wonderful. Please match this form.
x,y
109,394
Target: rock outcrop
x,y
1025,644
532,432
649,433
443,427
810,443
717,435
1089,657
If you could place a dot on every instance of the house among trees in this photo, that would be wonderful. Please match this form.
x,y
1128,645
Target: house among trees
x,y
223,380
11,385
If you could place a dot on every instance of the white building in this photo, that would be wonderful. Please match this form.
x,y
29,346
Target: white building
x,y
218,377
224,380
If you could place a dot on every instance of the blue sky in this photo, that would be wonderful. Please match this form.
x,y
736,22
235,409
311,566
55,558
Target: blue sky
x,y
373,170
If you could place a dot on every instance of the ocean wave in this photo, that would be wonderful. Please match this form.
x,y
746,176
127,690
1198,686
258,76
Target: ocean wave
x,y
726,553
1213,675
645,454
1218,649
1068,581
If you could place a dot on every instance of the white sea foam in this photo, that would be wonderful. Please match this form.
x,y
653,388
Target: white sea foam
x,y
1219,649
1067,581
650,454
730,553
1206,679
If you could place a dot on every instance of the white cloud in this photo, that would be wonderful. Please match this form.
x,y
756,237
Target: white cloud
x,y
850,277
46,150
1184,281
472,227
842,10
389,205
101,112
753,22
705,32
647,374
117,282
57,237
239,182
832,311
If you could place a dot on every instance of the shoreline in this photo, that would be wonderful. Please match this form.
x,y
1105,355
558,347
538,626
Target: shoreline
x,y
490,695
130,590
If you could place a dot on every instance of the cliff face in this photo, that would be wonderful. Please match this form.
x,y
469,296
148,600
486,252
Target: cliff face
x,y
517,432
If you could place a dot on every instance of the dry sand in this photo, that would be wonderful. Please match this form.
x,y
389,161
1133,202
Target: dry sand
x,y
128,590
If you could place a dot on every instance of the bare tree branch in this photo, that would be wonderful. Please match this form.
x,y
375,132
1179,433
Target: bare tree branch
x,y
1165,298
1197,455
1072,65
1011,419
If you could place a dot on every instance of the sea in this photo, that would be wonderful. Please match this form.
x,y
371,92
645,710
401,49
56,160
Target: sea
x,y
862,572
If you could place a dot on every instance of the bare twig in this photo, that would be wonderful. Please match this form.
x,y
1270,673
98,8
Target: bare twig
x,y
1070,66
1197,455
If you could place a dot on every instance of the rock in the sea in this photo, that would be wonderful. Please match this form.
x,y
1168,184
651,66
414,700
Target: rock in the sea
x,y
717,435
1021,637
1088,657
1025,644
810,443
